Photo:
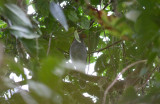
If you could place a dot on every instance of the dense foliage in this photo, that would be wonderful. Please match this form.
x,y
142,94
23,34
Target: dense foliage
x,y
122,39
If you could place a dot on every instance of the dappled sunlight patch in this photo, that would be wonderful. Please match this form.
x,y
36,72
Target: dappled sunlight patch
x,y
30,10
120,76
15,78
94,98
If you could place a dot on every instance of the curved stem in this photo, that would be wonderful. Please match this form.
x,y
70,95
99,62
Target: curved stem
x,y
115,80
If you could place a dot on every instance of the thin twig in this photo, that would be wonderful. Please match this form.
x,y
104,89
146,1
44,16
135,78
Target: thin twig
x,y
149,77
115,80
67,53
91,23
123,53
49,44
107,46
107,4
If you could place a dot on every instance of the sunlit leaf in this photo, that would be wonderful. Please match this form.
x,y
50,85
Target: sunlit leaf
x,y
77,36
40,89
16,11
132,15
23,32
2,24
85,23
48,74
58,14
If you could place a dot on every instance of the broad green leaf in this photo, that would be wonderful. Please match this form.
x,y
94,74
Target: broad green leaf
x,y
73,16
2,2
95,2
132,15
58,14
19,14
101,64
23,32
47,73
94,39
16,68
157,76
42,7
129,96
85,23
143,71
2,24
40,89
27,2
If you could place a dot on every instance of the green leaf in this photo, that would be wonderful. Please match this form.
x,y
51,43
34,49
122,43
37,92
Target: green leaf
x,y
40,89
2,2
15,67
16,15
48,74
77,36
157,76
95,2
73,16
129,96
23,32
27,2
132,15
85,23
58,14
94,39
42,7
143,71
101,64
3,24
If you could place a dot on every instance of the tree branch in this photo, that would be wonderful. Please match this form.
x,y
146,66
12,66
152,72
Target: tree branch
x,y
86,77
107,4
108,46
148,77
115,80
63,51
49,44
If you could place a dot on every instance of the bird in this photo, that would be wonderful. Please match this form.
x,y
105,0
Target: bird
x,y
78,56
78,53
